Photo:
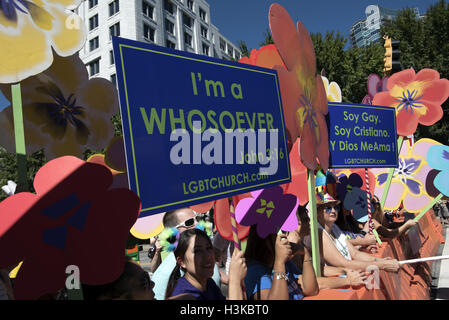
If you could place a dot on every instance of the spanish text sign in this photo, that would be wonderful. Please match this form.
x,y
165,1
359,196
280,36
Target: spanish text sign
x,y
197,128
362,136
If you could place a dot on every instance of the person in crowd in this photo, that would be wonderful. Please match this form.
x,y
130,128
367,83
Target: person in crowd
x,y
381,224
271,274
195,256
354,230
133,284
329,279
337,251
181,219
6,290
155,254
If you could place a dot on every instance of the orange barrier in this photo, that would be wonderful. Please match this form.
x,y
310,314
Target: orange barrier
x,y
412,282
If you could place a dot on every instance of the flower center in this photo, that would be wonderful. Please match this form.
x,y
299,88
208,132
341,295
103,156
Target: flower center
x,y
408,101
309,114
9,8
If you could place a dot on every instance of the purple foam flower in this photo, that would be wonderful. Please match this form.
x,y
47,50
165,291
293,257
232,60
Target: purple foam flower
x,y
270,209
374,84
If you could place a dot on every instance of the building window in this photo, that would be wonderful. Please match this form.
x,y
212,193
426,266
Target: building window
x,y
204,32
93,22
94,67
188,39
205,49
111,57
222,44
114,7
147,9
188,21
202,14
230,51
92,3
148,32
168,5
170,44
190,4
114,31
169,26
93,44
114,79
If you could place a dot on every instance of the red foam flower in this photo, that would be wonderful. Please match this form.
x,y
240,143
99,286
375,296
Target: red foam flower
x,y
304,96
74,209
417,98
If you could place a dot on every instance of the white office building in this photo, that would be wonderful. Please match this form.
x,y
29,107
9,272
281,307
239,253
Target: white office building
x,y
366,31
179,24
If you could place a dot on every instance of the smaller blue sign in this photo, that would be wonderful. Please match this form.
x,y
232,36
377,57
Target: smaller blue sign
x,y
362,136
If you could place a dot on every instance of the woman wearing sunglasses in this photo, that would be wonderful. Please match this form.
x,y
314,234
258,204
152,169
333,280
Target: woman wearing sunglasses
x,y
339,252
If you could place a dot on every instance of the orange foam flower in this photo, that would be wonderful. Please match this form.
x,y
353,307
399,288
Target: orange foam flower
x,y
304,97
417,98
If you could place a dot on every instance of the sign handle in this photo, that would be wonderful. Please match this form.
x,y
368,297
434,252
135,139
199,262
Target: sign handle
x,y
370,219
313,223
19,136
234,230
390,175
428,207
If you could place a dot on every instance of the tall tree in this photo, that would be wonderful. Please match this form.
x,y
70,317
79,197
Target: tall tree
x,y
268,39
243,48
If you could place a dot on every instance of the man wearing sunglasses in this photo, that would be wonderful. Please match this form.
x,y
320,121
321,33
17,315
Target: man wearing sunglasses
x,y
181,219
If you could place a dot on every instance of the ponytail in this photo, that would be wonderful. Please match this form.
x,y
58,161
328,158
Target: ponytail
x,y
172,281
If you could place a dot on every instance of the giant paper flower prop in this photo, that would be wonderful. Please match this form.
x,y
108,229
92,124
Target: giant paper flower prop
x,y
409,179
333,91
270,209
375,84
416,97
74,209
63,111
222,216
298,186
438,158
304,100
30,29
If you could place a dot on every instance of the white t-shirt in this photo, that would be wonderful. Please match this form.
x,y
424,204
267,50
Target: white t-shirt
x,y
339,242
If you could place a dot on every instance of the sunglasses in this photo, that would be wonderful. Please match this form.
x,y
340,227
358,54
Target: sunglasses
x,y
188,223
329,209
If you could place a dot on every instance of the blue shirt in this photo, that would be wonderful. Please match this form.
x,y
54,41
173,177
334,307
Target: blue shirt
x,y
212,292
162,274
259,277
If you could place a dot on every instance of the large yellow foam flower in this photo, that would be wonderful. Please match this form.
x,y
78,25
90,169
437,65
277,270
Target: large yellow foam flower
x,y
29,29
333,91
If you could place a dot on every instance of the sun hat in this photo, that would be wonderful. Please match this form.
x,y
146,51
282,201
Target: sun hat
x,y
324,198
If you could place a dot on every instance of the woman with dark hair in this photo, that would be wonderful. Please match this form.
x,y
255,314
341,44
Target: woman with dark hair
x,y
195,256
271,274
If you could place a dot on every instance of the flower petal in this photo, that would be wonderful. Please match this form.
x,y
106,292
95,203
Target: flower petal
x,y
335,92
68,39
438,157
434,114
384,99
427,75
26,54
437,92
285,37
308,52
406,123
401,78
41,17
268,57
372,83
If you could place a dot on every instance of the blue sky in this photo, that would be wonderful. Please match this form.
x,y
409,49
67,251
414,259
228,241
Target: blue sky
x,y
247,20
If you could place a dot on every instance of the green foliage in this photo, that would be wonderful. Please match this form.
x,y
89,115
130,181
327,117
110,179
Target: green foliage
x,y
349,68
268,39
243,48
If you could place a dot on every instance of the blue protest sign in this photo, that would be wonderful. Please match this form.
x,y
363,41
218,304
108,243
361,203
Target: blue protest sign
x,y
362,136
197,128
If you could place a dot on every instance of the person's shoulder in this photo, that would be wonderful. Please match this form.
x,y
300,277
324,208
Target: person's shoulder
x,y
166,267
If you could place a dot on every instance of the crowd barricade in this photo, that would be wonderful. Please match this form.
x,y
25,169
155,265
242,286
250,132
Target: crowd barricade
x,y
412,282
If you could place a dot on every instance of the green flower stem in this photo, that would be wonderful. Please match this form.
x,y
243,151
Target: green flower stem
x,y
19,136
313,223
428,207
390,175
